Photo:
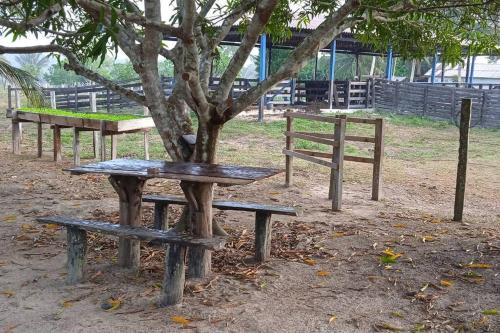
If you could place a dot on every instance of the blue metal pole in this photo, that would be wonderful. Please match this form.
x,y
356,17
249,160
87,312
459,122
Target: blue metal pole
x,y
331,77
433,71
471,75
262,72
388,67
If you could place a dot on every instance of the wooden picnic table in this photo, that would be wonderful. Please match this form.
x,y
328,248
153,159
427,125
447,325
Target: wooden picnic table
x,y
128,176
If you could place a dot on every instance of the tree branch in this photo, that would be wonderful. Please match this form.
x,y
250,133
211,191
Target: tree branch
x,y
259,20
34,21
78,68
318,39
134,18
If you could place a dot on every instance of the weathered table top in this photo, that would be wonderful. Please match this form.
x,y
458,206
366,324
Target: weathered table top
x,y
196,172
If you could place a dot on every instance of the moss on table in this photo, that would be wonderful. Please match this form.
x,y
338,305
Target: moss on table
x,y
84,115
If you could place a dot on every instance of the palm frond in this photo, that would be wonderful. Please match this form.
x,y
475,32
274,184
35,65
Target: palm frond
x,y
24,80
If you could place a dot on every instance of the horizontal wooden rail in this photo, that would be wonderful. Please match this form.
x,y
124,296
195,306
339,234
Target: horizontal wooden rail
x,y
292,153
358,159
325,119
361,120
311,138
347,137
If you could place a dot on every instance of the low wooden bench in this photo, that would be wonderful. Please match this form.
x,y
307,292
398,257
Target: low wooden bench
x,y
263,215
173,284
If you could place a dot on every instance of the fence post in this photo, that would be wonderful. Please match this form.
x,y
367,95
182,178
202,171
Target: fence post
x,y
53,103
367,100
95,135
289,146
348,94
378,157
17,100
76,98
453,102
465,117
374,91
426,95
396,97
483,104
292,91
336,174
107,100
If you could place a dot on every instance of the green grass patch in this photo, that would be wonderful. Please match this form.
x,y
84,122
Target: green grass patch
x,y
84,115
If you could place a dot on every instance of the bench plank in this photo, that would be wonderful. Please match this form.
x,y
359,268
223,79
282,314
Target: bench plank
x,y
139,233
227,205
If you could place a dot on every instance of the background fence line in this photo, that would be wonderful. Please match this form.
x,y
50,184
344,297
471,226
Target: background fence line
x,y
348,94
439,101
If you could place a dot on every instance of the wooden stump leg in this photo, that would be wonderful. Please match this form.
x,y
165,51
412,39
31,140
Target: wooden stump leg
x,y
77,251
146,145
161,216
114,147
95,142
263,228
57,144
173,283
129,191
16,137
76,146
40,139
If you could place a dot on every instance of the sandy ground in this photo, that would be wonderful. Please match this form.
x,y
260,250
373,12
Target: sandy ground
x,y
326,273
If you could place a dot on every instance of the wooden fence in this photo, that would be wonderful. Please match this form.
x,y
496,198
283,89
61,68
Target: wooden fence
x,y
347,94
440,102
335,159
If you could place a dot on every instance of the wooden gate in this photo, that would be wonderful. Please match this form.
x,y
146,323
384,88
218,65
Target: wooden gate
x,y
335,159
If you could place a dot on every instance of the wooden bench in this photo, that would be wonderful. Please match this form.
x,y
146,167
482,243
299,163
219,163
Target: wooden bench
x,y
263,214
173,284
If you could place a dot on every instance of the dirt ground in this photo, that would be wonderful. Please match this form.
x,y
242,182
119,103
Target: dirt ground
x,y
328,272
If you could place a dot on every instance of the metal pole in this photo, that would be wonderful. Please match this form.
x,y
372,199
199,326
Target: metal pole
x,y
388,67
471,76
262,73
333,53
433,71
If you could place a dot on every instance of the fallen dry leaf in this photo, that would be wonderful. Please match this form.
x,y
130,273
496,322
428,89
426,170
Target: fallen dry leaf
x,y
323,273
479,265
9,218
111,304
446,283
332,319
180,320
310,262
8,293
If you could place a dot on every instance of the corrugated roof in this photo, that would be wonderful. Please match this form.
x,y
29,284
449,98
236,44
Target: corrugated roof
x,y
481,70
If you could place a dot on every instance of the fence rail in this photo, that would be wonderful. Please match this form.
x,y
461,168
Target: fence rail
x,y
347,94
439,102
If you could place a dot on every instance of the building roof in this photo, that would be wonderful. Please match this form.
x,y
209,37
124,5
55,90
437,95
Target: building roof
x,y
481,70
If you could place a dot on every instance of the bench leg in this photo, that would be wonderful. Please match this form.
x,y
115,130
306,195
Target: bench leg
x,y
161,216
129,190
263,228
76,146
57,144
173,283
77,251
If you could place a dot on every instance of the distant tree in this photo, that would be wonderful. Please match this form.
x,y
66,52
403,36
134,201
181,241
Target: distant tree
x,y
222,59
122,72
33,63
56,75
166,68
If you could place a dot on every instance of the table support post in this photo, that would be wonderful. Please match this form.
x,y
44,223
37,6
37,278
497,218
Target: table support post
x,y
129,191
114,146
57,143
76,146
40,139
